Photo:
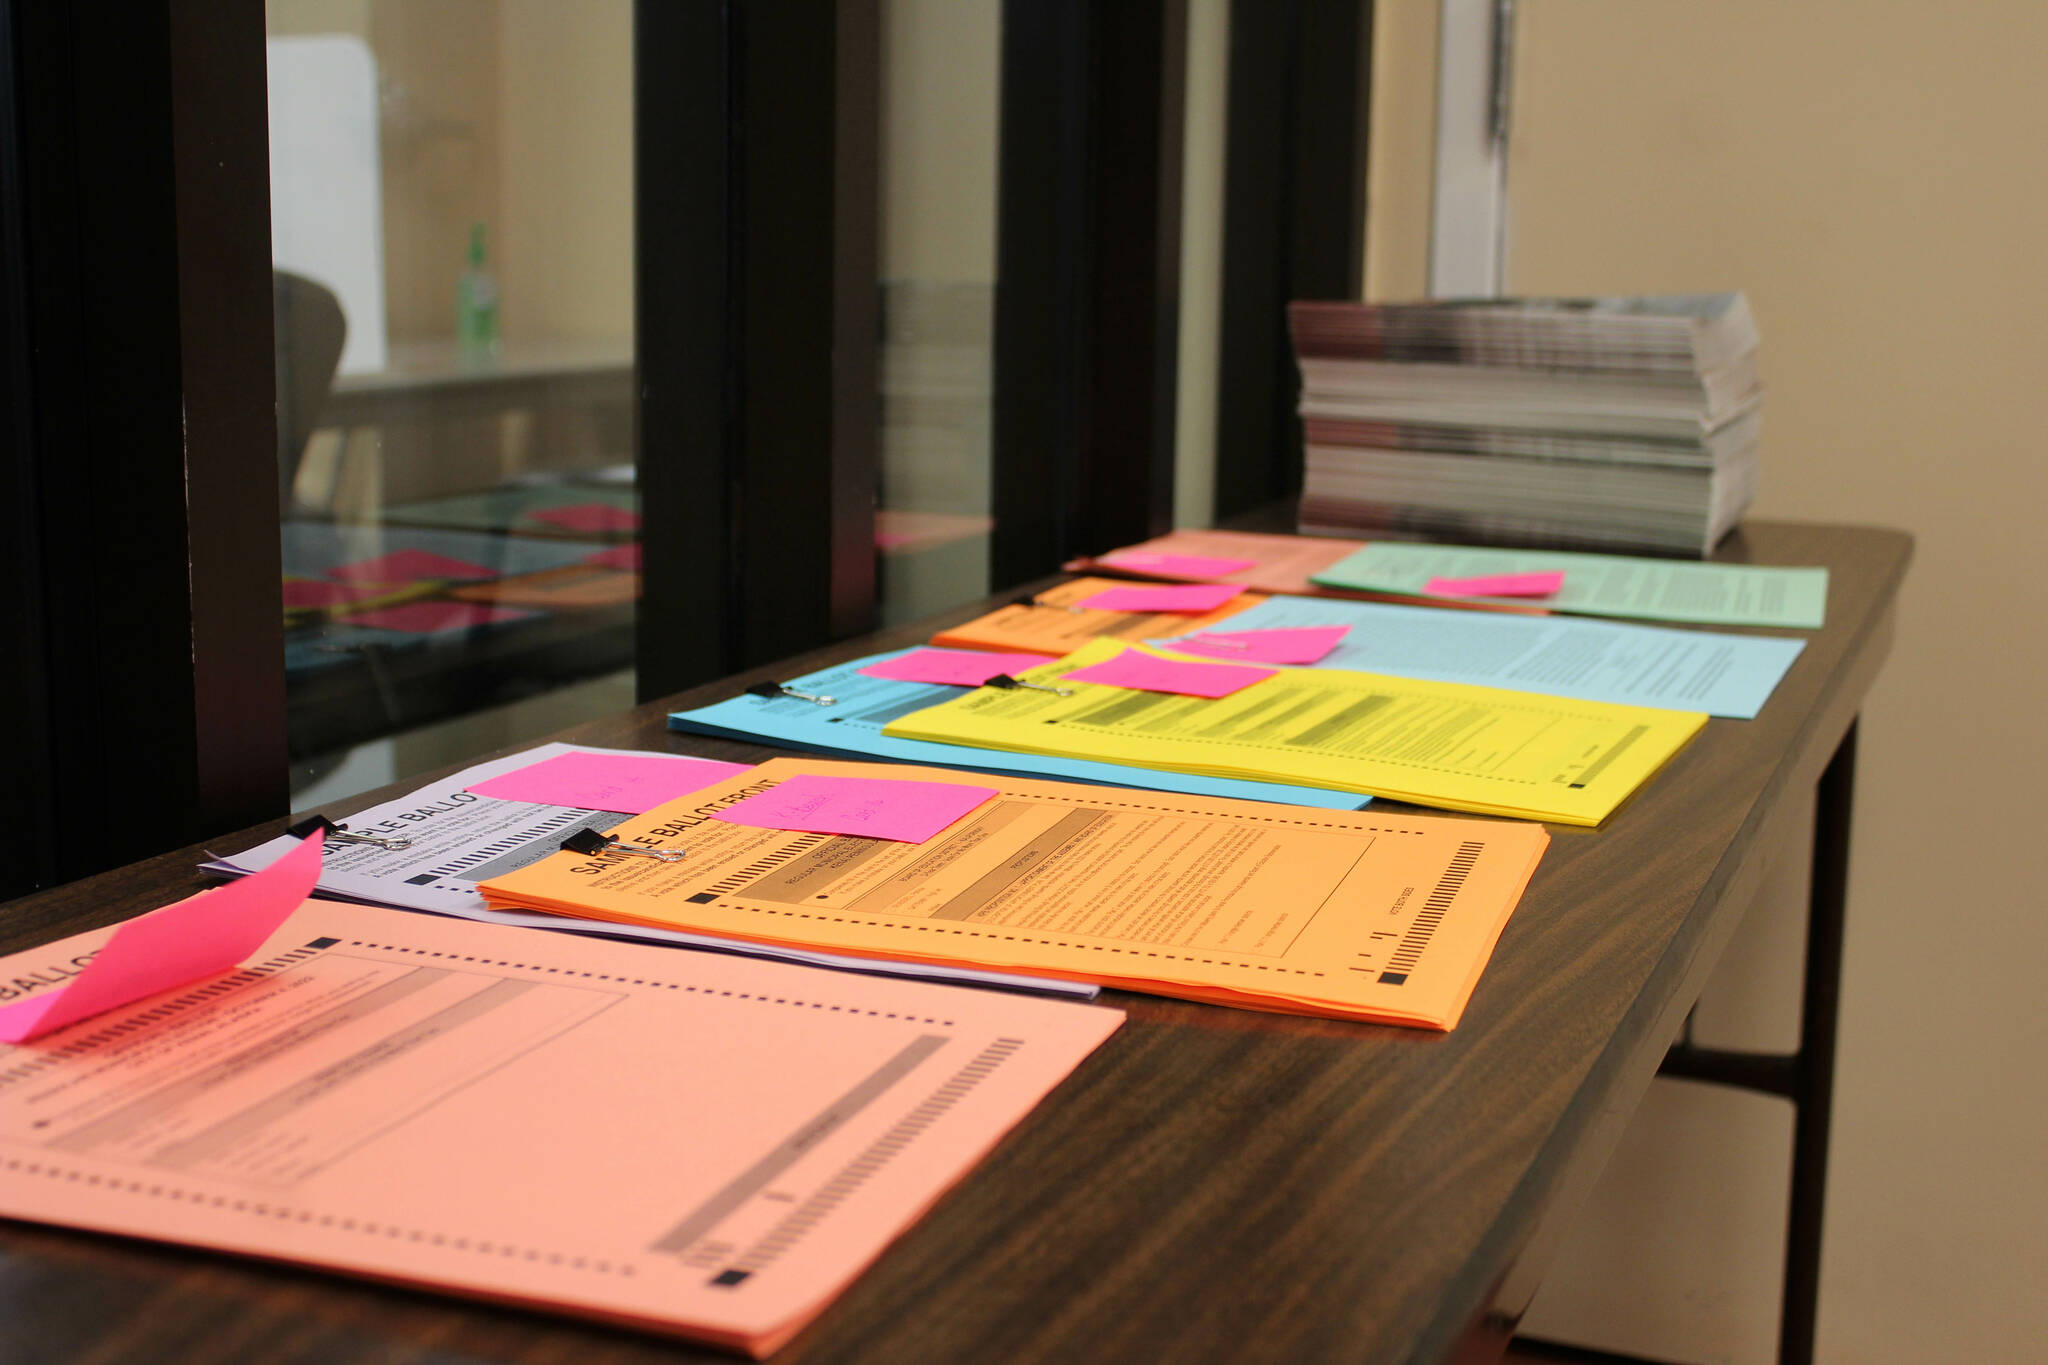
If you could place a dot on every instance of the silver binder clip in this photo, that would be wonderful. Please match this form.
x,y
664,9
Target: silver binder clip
x,y
341,834
1004,682
775,689
590,841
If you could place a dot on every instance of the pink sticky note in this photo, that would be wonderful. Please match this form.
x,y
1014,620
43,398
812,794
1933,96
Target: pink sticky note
x,y
425,618
301,593
867,807
956,667
1279,645
1147,673
1177,566
625,557
632,783
589,516
405,566
168,948
1543,584
1194,597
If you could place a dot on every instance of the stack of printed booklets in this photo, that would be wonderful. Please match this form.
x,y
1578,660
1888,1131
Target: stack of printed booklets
x,y
1608,424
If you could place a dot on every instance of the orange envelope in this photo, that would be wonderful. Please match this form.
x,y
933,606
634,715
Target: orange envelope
x,y
1049,628
1355,914
701,1145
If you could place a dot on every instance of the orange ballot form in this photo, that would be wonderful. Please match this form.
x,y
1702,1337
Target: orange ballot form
x,y
1054,622
1451,745
1342,913
711,1147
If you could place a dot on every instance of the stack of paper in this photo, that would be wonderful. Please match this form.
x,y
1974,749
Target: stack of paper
x,y
1604,423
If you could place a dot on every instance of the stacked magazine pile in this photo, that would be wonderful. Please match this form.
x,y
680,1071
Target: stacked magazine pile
x,y
1605,424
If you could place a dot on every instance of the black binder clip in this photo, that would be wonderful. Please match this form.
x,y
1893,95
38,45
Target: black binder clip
x,y
775,689
1049,606
1004,682
590,841
340,834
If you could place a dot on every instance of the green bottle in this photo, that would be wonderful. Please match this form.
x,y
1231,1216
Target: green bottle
x,y
476,305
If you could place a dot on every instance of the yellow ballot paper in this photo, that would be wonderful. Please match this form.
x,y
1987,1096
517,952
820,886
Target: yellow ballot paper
x,y
1436,744
1345,913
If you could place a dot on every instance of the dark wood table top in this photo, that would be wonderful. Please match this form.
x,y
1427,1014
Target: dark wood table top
x,y
1213,1184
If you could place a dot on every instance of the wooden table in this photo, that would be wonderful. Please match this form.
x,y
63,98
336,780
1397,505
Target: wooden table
x,y
1213,1184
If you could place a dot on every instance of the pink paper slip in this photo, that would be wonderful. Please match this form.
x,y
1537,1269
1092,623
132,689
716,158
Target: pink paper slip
x,y
865,807
426,618
174,946
303,593
1149,673
1543,584
632,783
1280,645
956,667
625,557
406,566
1192,598
589,516
1176,566
693,1144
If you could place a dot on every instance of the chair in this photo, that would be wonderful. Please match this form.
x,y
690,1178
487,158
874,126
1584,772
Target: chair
x,y
310,330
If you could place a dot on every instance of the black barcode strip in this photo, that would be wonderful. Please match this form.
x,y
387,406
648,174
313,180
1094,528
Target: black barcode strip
x,y
766,864
1432,913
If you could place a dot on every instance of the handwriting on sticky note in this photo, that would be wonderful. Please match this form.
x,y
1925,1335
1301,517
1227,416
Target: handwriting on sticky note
x,y
1275,645
1176,566
1192,597
866,807
632,783
1535,584
168,948
954,667
1150,673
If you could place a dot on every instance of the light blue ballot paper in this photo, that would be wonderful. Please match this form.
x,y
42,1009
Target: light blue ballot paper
x,y
1679,670
852,728
1602,585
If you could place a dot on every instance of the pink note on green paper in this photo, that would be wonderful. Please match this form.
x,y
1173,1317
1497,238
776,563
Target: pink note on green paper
x,y
1149,673
954,667
406,566
1537,584
1177,566
1279,645
626,557
867,807
589,516
179,944
302,593
1193,597
425,618
632,783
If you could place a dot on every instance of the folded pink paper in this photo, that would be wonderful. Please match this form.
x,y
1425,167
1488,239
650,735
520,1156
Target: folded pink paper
x,y
1193,597
868,807
405,566
425,618
1149,673
954,667
632,783
1279,645
1177,566
1535,584
195,938
589,516
625,557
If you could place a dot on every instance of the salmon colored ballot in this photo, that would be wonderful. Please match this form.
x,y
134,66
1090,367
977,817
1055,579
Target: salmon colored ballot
x,y
1049,628
1451,745
1342,913
695,1144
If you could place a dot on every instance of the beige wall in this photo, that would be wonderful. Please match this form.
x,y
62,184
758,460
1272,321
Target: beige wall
x,y
1870,174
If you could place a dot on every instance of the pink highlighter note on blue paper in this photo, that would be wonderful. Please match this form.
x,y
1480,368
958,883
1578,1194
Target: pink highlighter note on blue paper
x,y
1150,673
630,783
1193,597
1545,583
1274,645
195,938
954,667
866,807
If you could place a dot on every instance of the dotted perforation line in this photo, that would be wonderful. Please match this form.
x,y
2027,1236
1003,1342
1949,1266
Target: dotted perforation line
x,y
1015,938
1153,807
706,991
281,1213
